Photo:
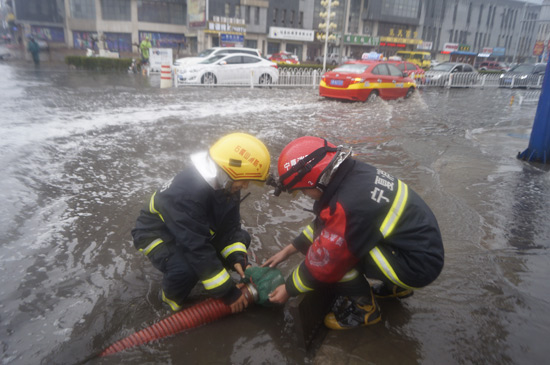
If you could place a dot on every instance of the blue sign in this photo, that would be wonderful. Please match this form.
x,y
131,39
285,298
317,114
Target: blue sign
x,y
231,39
498,51
83,40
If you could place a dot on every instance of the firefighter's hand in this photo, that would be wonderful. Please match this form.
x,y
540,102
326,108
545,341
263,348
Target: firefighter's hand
x,y
240,304
280,256
239,268
279,295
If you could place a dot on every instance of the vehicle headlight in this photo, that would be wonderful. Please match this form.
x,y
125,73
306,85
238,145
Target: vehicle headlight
x,y
501,76
523,77
435,77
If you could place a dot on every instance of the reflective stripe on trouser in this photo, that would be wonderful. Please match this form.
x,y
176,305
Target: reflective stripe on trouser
x,y
396,209
235,247
152,209
308,232
175,307
217,280
350,275
298,283
150,247
386,268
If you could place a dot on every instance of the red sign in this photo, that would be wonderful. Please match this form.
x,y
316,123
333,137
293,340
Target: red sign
x,y
388,44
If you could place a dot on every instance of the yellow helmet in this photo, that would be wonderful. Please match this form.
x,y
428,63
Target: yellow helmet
x,y
241,156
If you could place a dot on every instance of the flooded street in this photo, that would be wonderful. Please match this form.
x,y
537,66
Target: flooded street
x,y
81,153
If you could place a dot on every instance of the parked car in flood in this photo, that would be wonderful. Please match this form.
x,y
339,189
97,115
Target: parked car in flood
x,y
523,75
238,68
366,80
463,74
215,51
284,57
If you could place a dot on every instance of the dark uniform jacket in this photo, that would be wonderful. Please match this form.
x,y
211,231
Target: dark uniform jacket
x,y
365,213
189,215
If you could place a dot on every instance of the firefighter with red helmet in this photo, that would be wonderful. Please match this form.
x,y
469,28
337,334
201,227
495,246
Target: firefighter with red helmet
x,y
368,224
191,228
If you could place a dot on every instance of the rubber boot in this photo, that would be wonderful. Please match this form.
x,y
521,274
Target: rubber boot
x,y
384,291
353,312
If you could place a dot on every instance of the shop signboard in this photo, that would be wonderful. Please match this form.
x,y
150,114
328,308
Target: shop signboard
x,y
291,34
538,48
231,40
49,34
163,40
499,51
425,46
361,40
450,47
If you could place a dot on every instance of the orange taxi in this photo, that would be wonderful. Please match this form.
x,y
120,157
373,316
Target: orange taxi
x,y
365,80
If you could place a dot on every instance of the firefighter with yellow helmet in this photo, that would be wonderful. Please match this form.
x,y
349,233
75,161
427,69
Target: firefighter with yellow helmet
x,y
190,229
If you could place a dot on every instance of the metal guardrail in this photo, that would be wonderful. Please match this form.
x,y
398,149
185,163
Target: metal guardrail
x,y
467,79
310,77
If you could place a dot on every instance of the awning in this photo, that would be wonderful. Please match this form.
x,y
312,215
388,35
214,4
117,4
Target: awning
x,y
463,53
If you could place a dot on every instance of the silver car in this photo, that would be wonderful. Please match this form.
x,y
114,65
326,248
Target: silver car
x,y
452,74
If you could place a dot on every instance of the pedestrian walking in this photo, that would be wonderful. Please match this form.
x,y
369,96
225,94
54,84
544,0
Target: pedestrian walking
x,y
368,224
145,47
34,50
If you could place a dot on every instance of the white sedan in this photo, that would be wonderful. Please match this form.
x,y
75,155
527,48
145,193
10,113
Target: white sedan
x,y
236,69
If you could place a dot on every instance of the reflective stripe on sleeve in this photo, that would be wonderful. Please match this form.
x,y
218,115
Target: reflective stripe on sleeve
x,y
350,275
298,281
396,209
152,206
386,268
308,232
151,246
235,247
216,281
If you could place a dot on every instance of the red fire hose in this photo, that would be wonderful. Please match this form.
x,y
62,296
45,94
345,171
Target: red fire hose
x,y
202,313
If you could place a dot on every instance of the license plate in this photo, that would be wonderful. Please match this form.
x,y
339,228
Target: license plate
x,y
337,82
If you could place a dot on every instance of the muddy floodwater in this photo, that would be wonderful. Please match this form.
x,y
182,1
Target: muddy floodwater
x,y
80,153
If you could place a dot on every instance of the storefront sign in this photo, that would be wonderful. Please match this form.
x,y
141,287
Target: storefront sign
x,y
49,34
400,40
227,25
232,40
449,47
464,47
499,51
425,46
291,34
487,50
361,40
164,40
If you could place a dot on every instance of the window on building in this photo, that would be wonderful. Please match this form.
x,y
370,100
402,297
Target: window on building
x,y
301,22
227,10
493,17
116,10
247,15
400,8
283,16
250,43
291,22
454,12
237,11
480,15
469,16
83,9
489,14
167,12
274,16
257,16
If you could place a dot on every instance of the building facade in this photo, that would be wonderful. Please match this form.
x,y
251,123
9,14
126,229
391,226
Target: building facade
x,y
501,29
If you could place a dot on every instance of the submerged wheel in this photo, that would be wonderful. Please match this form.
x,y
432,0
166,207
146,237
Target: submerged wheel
x,y
373,95
409,92
265,79
208,79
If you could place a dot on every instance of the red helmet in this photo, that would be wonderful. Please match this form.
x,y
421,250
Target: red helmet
x,y
303,162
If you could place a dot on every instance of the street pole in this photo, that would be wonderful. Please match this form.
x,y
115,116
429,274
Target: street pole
x,y
344,29
326,36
